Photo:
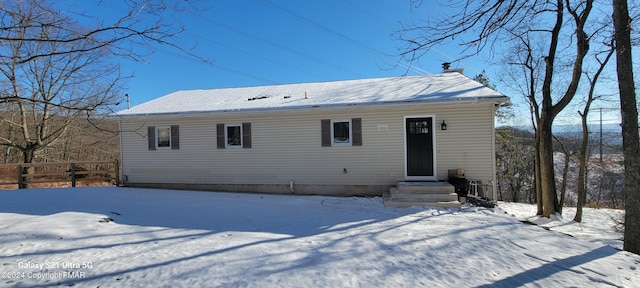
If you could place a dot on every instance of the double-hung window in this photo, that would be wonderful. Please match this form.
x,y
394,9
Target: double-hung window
x,y
341,132
163,137
233,136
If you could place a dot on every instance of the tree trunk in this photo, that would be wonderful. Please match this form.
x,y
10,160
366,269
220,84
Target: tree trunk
x,y
583,157
547,183
549,111
565,172
630,139
582,170
514,192
537,177
547,174
27,157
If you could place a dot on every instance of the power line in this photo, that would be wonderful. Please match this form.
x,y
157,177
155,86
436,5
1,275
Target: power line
x,y
273,44
220,67
235,49
368,13
334,33
285,48
453,59
318,26
391,26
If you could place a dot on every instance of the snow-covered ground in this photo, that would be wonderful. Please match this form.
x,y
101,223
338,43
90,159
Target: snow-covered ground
x,y
122,237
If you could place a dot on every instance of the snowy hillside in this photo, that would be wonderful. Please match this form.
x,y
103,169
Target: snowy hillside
x,y
121,237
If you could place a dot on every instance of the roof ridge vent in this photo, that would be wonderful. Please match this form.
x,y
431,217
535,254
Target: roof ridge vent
x,y
258,97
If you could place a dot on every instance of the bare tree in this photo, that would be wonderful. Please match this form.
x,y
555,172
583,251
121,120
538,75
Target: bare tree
x,y
524,73
582,156
565,171
514,157
48,86
630,138
486,21
142,24
56,70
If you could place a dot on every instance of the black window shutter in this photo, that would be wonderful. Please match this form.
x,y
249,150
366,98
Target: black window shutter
x,y
175,137
356,131
246,135
151,137
220,135
325,125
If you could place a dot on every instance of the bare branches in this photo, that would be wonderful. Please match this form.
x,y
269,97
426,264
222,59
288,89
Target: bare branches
x,y
132,29
486,22
56,70
539,35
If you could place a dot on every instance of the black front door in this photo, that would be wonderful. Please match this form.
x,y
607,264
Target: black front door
x,y
419,146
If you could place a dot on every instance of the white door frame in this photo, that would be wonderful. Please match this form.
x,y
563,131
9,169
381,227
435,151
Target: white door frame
x,y
433,177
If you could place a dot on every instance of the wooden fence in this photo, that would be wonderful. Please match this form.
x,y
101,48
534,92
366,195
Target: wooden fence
x,y
24,174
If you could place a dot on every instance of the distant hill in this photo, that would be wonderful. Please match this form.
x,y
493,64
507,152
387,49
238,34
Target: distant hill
x,y
577,128
609,128
611,135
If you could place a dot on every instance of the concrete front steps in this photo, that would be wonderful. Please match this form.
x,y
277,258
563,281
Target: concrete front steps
x,y
435,194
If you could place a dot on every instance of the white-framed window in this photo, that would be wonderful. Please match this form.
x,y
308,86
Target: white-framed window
x,y
341,133
233,135
163,137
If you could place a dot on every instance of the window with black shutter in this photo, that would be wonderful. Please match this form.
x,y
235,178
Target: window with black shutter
x,y
246,135
356,124
151,137
347,132
163,137
220,136
175,137
233,135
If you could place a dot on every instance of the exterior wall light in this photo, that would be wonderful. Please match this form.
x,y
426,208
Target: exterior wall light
x,y
443,126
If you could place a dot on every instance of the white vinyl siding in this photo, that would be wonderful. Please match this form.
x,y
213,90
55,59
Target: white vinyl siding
x,y
276,159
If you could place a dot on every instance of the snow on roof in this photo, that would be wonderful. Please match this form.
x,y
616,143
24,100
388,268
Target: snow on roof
x,y
425,88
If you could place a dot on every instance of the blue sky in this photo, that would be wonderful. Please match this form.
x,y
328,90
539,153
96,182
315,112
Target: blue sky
x,y
266,42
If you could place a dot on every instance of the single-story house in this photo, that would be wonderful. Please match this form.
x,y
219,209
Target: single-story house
x,y
354,137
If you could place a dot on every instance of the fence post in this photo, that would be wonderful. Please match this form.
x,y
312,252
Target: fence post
x,y
20,179
73,175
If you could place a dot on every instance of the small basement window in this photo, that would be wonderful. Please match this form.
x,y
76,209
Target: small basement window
x,y
341,132
233,135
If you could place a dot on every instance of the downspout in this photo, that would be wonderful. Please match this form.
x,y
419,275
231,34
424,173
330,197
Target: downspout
x,y
120,168
493,151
